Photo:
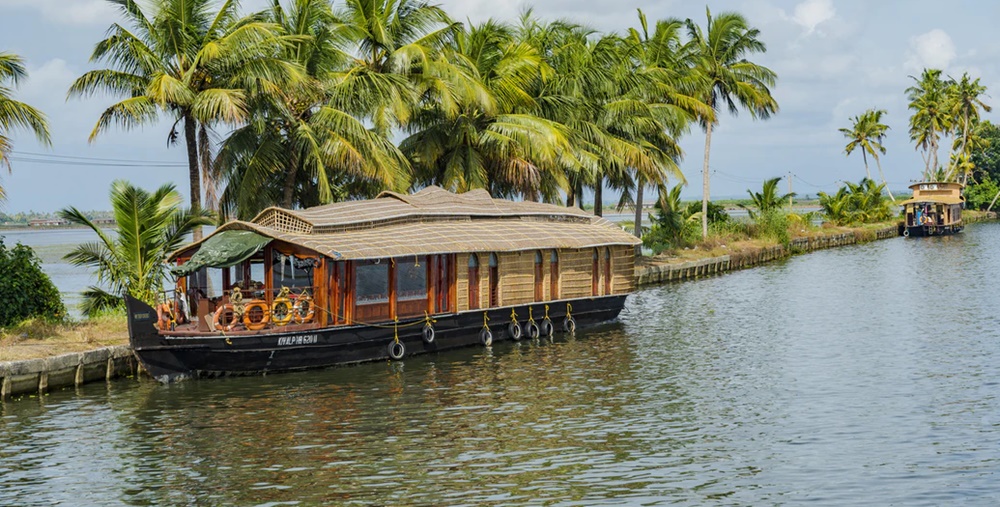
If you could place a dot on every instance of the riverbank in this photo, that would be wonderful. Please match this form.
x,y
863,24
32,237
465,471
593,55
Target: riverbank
x,y
700,261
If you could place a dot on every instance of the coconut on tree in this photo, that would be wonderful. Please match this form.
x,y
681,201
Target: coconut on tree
x,y
867,133
15,114
931,117
730,79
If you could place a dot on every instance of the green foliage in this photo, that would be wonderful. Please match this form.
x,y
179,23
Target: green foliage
x,y
716,212
986,157
767,199
857,203
25,290
673,226
980,195
150,227
772,224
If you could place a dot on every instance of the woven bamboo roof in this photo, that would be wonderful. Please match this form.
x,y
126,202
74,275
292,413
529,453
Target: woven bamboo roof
x,y
433,221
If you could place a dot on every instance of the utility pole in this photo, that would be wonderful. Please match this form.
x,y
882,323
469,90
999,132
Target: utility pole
x,y
789,191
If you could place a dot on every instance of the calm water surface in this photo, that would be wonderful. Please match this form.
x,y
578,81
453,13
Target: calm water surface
x,y
856,376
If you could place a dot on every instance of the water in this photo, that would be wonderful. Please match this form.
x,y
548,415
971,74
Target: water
x,y
853,376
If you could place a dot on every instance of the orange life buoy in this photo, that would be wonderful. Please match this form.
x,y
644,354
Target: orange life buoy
x,y
248,319
282,311
220,317
165,316
304,310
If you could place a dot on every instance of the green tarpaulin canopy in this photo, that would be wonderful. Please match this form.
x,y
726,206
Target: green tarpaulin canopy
x,y
222,250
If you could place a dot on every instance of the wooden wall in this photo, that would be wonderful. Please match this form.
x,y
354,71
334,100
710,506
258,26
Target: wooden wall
x,y
517,275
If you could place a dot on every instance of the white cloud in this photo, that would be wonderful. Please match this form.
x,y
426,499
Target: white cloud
x,y
812,13
931,50
71,12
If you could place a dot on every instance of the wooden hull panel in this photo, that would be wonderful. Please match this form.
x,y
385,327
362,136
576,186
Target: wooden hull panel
x,y
918,231
169,358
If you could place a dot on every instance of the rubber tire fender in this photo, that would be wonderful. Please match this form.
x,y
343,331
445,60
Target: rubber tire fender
x,y
486,337
546,328
569,325
396,350
514,330
428,333
533,331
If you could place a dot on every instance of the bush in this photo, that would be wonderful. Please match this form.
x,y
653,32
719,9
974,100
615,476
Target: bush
x,y
980,195
25,290
773,225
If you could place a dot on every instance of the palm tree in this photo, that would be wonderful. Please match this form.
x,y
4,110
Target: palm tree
x,y
392,45
491,140
180,57
150,227
669,82
931,116
867,132
965,104
767,199
731,80
14,114
297,149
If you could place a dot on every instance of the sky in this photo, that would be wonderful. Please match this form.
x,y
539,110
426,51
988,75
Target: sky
x,y
834,60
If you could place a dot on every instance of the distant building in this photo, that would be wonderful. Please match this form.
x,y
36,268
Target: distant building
x,y
47,222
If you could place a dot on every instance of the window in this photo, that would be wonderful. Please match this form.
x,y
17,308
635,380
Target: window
x,y
411,280
554,275
607,270
291,271
539,276
372,282
473,282
596,274
494,280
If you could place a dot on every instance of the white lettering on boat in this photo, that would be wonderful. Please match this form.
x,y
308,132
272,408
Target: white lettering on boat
x,y
306,339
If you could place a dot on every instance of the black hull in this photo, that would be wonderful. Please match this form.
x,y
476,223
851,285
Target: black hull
x,y
919,231
169,358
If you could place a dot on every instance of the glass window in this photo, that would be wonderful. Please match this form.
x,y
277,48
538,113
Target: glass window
x,y
493,260
372,282
411,280
473,261
291,271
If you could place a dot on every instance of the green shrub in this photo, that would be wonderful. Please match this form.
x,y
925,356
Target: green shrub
x,y
25,290
773,225
980,195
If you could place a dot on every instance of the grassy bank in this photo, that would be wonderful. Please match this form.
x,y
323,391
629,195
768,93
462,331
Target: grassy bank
x,y
35,338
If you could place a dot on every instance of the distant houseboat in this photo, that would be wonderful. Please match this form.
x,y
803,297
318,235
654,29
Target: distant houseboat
x,y
382,278
935,208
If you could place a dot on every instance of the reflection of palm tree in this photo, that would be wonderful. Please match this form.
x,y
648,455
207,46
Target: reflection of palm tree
x,y
14,114
182,58
149,228
731,79
867,132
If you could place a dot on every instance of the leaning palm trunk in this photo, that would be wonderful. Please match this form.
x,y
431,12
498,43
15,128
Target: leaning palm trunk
x,y
705,182
884,182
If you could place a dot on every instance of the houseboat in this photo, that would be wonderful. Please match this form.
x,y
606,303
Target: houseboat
x,y
380,279
935,208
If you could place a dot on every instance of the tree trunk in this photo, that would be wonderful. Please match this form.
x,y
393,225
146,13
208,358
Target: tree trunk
x,y
288,193
194,175
209,181
882,175
599,196
639,184
864,157
579,193
704,182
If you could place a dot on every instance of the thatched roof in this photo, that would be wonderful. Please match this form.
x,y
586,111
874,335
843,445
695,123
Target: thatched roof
x,y
433,221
